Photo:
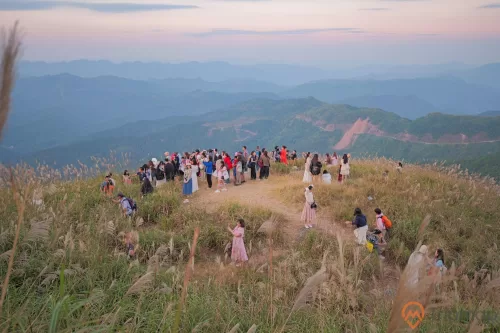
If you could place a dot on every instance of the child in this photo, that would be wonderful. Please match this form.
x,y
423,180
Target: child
x,y
327,178
339,178
373,238
383,224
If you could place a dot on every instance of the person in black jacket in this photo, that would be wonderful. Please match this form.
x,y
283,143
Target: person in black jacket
x,y
146,187
361,226
169,170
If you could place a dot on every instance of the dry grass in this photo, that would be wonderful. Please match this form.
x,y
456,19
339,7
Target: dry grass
x,y
11,47
70,245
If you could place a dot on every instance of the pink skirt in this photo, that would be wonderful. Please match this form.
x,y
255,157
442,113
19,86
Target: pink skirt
x,y
308,214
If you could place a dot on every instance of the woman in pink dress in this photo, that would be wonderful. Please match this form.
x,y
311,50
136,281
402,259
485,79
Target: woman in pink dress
x,y
238,252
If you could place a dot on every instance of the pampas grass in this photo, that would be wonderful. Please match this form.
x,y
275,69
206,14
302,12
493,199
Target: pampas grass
x,y
11,46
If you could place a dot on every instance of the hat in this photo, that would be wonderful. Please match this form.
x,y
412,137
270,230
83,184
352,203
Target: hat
x,y
423,249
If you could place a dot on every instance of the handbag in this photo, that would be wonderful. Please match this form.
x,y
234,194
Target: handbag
x,y
314,206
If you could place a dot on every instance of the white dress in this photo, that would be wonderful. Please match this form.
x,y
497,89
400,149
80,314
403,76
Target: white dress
x,y
344,171
335,161
307,174
194,169
327,178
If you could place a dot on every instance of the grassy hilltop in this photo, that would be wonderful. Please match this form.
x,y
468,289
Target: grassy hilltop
x,y
70,272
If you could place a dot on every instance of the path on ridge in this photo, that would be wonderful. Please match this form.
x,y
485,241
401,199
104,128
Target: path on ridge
x,y
265,194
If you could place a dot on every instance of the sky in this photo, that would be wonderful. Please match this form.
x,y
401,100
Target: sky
x,y
327,33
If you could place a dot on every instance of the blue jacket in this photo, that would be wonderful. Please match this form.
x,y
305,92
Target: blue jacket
x,y
209,167
359,221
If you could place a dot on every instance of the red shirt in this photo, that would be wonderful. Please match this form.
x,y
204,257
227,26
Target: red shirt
x,y
227,162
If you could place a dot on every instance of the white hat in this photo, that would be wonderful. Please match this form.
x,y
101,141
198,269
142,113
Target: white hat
x,y
423,249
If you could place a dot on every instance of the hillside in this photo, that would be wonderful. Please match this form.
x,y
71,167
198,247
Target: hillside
x,y
301,124
71,272
54,110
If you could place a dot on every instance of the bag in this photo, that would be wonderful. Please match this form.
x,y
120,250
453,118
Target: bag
x,y
316,169
132,203
314,206
260,163
387,222
369,247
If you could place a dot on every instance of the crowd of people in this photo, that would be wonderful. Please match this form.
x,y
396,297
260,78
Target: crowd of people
x,y
219,169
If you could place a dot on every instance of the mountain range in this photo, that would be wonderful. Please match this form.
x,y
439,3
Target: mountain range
x,y
63,118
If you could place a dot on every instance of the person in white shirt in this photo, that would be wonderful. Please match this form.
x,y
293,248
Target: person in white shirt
x,y
327,178
309,211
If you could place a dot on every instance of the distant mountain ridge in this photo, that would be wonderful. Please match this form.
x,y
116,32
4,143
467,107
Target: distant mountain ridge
x,y
302,124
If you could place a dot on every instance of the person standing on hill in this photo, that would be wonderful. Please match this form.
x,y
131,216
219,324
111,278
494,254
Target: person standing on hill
x,y
146,187
258,152
328,160
315,167
384,221
361,226
307,170
345,169
265,164
283,155
252,163
309,211
208,163
126,178
238,251
238,169
380,224
194,174
160,175
169,170
294,156
227,164
335,159
187,187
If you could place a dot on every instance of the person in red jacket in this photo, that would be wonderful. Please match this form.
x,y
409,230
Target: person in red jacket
x,y
227,163
283,155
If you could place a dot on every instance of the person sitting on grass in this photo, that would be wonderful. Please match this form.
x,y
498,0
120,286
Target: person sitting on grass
x,y
131,242
327,178
146,187
373,237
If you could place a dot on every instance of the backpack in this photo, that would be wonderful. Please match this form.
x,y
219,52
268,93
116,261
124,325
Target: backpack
x,y
387,222
132,203
316,168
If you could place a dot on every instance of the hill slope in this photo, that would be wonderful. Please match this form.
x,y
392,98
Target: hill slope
x,y
301,124
71,254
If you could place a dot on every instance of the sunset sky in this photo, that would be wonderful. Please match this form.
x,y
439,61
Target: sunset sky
x,y
327,33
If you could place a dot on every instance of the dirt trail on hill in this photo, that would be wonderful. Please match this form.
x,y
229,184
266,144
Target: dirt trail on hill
x,y
265,194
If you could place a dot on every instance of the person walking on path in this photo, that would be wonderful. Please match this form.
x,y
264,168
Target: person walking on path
x,y
307,171
238,252
361,226
309,211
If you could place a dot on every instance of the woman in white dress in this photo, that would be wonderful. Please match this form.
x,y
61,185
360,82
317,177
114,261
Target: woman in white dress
x,y
344,171
307,172
335,159
194,170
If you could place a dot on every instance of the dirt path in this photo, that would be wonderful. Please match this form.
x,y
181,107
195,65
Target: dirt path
x,y
265,194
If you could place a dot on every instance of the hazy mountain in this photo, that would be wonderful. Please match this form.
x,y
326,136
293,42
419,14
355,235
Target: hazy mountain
x,y
221,71
210,71
302,124
410,107
447,94
487,75
490,114
54,110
